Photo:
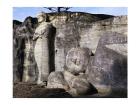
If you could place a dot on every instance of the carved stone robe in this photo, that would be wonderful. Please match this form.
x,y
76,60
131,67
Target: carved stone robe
x,y
41,51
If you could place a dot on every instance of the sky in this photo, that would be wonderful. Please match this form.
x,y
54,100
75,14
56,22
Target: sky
x,y
20,13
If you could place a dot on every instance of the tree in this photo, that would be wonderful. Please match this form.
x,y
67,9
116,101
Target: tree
x,y
58,9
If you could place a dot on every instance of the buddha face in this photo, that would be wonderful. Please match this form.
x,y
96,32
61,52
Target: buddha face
x,y
41,17
77,60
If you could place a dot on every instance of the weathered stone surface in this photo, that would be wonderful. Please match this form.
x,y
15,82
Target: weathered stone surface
x,y
72,30
74,85
77,60
119,48
66,17
108,69
84,34
89,37
70,26
23,60
56,80
78,84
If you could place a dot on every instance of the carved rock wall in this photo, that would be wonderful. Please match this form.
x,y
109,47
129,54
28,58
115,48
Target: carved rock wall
x,y
72,30
24,65
108,70
84,34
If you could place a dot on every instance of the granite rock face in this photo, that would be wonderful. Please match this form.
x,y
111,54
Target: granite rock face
x,y
68,29
84,34
108,70
90,36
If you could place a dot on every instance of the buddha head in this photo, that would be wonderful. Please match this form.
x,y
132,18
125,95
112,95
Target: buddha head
x,y
42,17
77,60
